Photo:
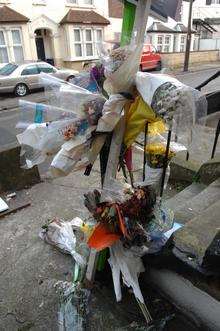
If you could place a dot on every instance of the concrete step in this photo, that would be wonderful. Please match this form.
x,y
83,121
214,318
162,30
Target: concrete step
x,y
194,238
199,306
180,198
199,203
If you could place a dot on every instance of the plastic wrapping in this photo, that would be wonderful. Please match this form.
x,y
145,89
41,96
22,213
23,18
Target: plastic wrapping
x,y
87,81
73,306
60,234
124,261
69,96
121,65
112,112
155,154
64,127
171,99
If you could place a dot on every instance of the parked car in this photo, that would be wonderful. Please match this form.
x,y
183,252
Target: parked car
x,y
150,58
21,79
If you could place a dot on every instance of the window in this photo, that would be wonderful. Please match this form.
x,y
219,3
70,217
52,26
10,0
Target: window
x,y
215,2
3,49
182,43
8,69
160,43
78,42
167,44
17,46
46,68
163,43
88,2
86,41
71,2
89,42
30,70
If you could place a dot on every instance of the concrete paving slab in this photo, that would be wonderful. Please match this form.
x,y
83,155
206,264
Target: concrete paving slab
x,y
187,194
192,240
199,203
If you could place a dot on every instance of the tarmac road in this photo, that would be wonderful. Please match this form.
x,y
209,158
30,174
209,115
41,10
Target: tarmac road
x,y
9,112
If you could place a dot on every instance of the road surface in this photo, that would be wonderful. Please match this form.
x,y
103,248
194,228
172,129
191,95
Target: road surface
x,y
9,117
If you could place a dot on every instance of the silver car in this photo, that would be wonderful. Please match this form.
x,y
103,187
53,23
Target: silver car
x,y
21,79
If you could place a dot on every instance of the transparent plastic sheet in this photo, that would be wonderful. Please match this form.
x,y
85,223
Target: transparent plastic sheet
x,y
31,112
155,151
70,97
87,81
162,221
171,99
60,234
67,127
73,306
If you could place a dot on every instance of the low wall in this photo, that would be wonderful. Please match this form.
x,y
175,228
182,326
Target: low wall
x,y
175,60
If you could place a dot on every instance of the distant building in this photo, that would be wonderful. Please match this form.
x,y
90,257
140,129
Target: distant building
x,y
63,32
66,32
206,23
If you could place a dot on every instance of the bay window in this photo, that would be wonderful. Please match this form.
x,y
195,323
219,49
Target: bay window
x,y
3,49
86,41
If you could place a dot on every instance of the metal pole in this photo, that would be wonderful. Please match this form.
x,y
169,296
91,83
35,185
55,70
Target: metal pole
x,y
216,139
145,145
188,38
165,162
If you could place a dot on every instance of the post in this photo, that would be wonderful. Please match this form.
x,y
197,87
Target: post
x,y
188,38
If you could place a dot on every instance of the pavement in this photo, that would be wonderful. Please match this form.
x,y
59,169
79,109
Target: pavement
x,y
30,268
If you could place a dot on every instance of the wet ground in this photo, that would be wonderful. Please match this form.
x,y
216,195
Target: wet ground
x,y
106,314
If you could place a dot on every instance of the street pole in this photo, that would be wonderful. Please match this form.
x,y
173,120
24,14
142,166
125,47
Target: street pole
x,y
188,39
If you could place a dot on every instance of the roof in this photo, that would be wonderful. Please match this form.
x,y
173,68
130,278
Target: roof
x,y
204,23
8,15
159,27
84,17
180,27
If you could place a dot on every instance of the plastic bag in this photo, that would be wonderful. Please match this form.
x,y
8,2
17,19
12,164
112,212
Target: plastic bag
x,y
60,234
124,261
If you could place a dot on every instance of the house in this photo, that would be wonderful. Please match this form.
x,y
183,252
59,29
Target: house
x,y
63,32
67,32
164,32
206,22
168,38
